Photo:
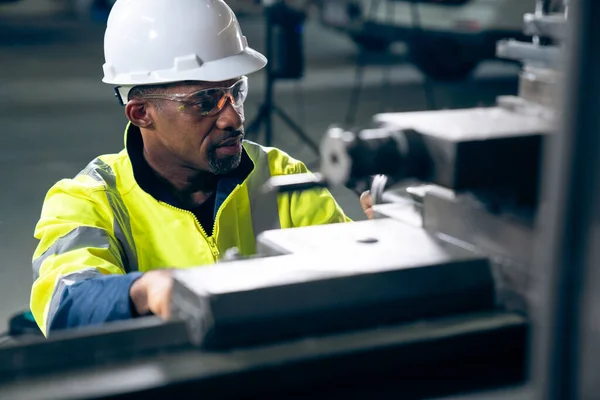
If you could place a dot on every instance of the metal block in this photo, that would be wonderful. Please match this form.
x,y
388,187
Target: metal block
x,y
498,232
506,236
551,26
539,85
477,148
345,276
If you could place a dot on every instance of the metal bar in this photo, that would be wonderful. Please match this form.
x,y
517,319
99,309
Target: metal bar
x,y
548,56
84,347
295,183
568,220
405,357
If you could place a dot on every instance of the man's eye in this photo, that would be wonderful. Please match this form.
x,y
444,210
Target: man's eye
x,y
204,104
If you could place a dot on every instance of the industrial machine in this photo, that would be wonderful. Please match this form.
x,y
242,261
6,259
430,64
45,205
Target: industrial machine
x,y
437,296
446,39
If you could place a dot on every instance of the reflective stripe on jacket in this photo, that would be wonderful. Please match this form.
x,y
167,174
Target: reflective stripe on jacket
x,y
102,222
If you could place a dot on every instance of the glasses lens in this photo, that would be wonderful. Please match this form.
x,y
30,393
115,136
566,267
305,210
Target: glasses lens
x,y
239,91
211,101
208,100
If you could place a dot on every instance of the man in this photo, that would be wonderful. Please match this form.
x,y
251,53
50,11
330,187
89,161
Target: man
x,y
185,189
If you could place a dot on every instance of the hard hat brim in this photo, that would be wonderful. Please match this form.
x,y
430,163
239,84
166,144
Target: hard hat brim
x,y
246,62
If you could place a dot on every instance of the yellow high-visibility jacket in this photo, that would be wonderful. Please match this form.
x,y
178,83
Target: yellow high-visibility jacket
x,y
100,230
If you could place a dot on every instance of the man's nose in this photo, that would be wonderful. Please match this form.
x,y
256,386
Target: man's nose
x,y
230,117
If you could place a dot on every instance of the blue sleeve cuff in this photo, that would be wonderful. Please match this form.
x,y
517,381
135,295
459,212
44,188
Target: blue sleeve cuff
x,y
95,301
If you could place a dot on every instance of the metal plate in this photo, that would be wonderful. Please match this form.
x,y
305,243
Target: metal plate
x,y
384,243
344,276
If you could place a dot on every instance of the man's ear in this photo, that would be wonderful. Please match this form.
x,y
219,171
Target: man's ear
x,y
137,112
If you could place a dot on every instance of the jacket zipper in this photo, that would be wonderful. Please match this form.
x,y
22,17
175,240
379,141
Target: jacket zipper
x,y
211,241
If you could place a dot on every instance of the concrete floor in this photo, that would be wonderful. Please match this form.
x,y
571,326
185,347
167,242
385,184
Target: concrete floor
x,y
56,115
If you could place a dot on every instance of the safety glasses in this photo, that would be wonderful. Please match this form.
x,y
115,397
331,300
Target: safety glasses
x,y
208,102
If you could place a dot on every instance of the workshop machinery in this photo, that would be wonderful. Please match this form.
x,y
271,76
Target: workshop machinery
x,y
434,297
445,39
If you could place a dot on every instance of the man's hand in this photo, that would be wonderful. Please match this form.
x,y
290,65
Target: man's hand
x,y
152,293
366,203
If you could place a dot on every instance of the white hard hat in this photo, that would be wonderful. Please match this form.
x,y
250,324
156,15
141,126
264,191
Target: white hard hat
x,y
161,41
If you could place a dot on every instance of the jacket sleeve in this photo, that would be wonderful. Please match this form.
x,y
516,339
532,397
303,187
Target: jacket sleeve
x,y
314,207
79,277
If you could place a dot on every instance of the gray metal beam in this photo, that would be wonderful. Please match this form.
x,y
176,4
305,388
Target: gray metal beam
x,y
567,261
